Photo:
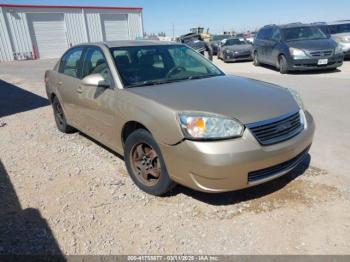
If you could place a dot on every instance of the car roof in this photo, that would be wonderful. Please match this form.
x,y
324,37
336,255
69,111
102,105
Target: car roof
x,y
290,25
126,43
339,22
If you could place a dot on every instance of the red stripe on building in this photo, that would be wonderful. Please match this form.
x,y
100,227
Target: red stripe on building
x,y
70,6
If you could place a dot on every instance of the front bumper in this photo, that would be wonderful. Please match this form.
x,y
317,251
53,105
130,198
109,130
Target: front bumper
x,y
334,61
222,166
241,56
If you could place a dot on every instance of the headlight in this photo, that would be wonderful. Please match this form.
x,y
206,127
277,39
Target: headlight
x,y
338,50
297,53
296,97
202,126
342,39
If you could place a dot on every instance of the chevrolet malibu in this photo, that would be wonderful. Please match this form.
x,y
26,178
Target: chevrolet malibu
x,y
177,118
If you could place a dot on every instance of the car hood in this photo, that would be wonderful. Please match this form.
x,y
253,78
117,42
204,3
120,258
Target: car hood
x,y
239,48
342,34
244,99
313,44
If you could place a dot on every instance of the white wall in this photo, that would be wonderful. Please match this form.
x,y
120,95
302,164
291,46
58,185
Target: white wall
x,y
5,44
81,26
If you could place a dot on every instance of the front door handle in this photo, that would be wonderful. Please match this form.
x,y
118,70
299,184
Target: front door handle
x,y
80,89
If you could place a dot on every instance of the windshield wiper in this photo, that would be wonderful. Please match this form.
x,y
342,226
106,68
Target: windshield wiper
x,y
147,83
166,81
154,82
201,76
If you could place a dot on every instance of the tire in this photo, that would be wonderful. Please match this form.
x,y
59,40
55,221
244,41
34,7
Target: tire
x,y
60,118
141,152
256,61
283,64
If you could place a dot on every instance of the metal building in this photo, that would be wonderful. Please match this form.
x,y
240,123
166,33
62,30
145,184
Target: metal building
x,y
33,31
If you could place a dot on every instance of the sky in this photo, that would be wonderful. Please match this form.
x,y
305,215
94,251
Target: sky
x,y
219,15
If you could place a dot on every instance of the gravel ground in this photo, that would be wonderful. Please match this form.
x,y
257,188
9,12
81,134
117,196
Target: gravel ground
x,y
66,194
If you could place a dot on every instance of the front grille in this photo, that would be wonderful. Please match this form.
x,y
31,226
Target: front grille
x,y
277,130
246,55
277,169
321,53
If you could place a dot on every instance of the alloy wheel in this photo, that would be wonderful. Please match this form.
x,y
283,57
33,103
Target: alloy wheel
x,y
145,164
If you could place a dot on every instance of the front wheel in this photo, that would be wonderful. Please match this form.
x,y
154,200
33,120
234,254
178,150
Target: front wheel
x,y
283,64
145,164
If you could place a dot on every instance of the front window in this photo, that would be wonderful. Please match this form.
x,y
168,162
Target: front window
x,y
339,29
95,63
303,33
151,65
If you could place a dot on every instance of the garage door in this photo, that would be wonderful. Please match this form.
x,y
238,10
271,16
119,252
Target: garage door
x,y
48,34
115,27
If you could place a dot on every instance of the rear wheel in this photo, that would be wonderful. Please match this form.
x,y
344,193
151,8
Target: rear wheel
x,y
283,64
256,61
145,163
60,118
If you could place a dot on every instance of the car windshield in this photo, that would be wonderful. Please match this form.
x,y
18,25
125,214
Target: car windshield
x,y
303,33
219,37
341,28
159,64
235,42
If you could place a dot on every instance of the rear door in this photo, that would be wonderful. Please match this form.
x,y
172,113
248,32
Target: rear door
x,y
96,104
259,43
266,43
68,80
271,44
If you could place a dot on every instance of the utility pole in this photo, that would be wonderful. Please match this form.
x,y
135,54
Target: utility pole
x,y
173,31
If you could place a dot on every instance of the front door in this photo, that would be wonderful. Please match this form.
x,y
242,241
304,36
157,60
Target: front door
x,y
96,102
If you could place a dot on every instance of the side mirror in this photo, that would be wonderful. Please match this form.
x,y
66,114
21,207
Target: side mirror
x,y
95,80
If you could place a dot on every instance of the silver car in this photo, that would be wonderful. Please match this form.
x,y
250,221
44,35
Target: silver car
x,y
340,32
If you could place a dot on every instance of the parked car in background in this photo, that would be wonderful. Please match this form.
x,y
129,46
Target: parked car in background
x,y
340,32
234,49
215,42
295,47
196,42
251,37
177,118
240,37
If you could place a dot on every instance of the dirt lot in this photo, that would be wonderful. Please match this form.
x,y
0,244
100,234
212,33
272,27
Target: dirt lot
x,y
67,194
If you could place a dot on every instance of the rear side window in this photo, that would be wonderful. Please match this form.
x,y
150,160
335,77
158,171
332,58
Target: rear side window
x,y
260,34
268,34
70,62
265,34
